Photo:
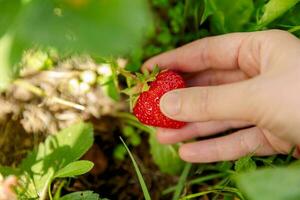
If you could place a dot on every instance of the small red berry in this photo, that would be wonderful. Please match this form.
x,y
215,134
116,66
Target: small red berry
x,y
147,108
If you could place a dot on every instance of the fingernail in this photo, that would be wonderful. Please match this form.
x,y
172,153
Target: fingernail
x,y
170,103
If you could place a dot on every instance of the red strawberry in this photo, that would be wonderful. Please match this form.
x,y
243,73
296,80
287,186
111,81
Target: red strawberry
x,y
147,108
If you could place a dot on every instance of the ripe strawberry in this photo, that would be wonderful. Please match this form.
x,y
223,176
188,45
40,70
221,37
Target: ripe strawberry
x,y
147,108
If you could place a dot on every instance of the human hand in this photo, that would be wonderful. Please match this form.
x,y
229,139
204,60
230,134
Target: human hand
x,y
235,81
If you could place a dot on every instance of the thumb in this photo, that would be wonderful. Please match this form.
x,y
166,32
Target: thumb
x,y
225,102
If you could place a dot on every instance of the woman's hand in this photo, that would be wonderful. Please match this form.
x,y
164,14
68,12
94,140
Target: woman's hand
x,y
235,81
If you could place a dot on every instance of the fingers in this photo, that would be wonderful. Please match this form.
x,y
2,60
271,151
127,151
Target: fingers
x,y
251,52
216,77
230,147
192,130
212,52
234,101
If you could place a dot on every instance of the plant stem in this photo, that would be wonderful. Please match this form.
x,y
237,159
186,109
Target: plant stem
x,y
39,92
132,120
49,191
196,181
58,190
30,87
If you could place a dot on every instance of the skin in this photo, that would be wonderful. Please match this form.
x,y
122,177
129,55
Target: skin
x,y
247,81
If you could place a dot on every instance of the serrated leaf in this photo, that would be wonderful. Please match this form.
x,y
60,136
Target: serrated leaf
x,y
146,87
75,168
270,184
154,71
131,91
244,164
140,76
274,9
165,156
55,153
83,195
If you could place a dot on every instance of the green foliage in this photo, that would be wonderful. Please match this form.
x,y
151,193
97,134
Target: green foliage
x,y
161,3
274,9
10,53
245,164
181,181
6,171
87,26
75,168
9,10
217,191
56,153
115,27
290,21
229,16
132,135
175,13
119,152
55,158
270,183
165,156
209,9
133,138
84,195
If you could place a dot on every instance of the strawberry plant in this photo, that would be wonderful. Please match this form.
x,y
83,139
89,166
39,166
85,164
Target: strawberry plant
x,y
69,61
43,165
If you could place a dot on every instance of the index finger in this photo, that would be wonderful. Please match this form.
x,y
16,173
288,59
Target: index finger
x,y
218,52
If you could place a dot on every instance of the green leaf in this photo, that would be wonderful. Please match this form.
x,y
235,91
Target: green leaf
x,y
55,153
224,166
109,87
83,195
87,26
209,9
9,9
6,171
231,17
244,164
138,172
75,168
270,184
274,9
289,20
165,156
292,17
119,152
10,54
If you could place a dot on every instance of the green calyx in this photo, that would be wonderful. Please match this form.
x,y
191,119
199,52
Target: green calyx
x,y
138,83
